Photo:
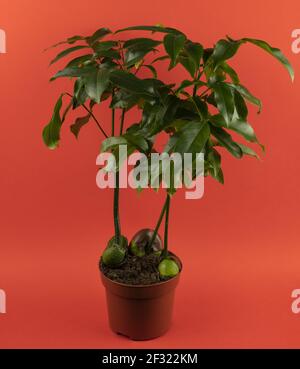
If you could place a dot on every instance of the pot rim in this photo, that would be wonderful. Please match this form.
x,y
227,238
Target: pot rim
x,y
145,285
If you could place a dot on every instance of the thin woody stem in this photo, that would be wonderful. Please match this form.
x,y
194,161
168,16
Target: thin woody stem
x,y
92,115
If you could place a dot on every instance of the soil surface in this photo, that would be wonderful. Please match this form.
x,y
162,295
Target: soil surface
x,y
135,270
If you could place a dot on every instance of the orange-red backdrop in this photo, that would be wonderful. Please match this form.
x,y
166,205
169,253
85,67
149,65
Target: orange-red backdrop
x,y
239,244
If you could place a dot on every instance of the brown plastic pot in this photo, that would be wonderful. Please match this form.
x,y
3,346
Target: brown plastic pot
x,y
140,312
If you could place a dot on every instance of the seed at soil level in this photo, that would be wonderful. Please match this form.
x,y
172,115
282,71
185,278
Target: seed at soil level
x,y
113,255
168,268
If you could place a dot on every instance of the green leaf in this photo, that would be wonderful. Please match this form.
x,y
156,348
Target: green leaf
x,y
67,52
112,142
133,57
73,71
111,53
213,164
247,95
241,127
79,123
137,141
130,82
96,83
141,43
191,138
51,133
151,28
240,105
186,83
200,107
224,50
248,151
225,140
188,64
173,44
231,72
79,96
274,52
70,41
100,33
79,60
137,48
104,45
124,99
195,51
224,100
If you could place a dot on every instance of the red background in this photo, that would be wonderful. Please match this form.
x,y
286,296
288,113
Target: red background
x,y
239,244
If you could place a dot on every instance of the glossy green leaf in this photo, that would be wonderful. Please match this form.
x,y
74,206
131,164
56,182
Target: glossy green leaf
x,y
231,72
173,44
223,50
70,41
76,62
137,141
133,57
224,100
141,43
99,34
51,132
187,83
111,53
79,123
194,50
191,138
241,127
187,63
96,83
240,105
274,52
226,140
247,95
112,142
200,107
124,99
150,28
104,45
73,71
137,48
79,95
248,151
67,52
130,82
213,164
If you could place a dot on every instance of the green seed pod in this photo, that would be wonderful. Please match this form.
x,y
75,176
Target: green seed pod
x,y
113,255
168,268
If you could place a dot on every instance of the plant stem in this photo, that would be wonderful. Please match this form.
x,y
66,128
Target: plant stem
x,y
122,121
194,90
113,117
165,251
117,185
116,210
92,115
148,248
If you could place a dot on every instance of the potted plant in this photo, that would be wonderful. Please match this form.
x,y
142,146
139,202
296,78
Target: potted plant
x,y
197,113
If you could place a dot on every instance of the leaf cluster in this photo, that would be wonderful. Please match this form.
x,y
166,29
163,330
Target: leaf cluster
x,y
199,114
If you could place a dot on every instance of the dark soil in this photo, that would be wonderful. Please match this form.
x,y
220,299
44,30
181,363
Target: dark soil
x,y
134,270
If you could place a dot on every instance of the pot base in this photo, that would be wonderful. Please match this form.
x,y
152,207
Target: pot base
x,y
140,312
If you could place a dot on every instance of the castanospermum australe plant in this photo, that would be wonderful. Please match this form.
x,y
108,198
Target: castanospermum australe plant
x,y
197,113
